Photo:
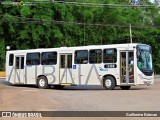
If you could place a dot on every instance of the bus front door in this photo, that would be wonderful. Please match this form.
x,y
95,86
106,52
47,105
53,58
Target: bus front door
x,y
19,70
66,68
127,67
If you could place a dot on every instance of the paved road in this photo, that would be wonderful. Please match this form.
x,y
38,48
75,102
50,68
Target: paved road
x,y
79,98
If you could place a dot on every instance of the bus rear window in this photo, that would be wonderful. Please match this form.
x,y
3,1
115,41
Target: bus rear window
x,y
11,59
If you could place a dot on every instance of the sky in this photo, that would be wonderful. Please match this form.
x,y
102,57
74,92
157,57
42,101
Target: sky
x,y
152,0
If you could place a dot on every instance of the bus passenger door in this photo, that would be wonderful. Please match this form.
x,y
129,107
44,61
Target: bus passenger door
x,y
19,70
66,68
127,67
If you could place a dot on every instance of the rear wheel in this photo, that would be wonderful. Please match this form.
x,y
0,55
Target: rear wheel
x,y
58,86
42,82
125,87
109,83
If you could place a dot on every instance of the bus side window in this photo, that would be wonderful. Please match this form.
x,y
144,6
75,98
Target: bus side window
x,y
11,59
81,57
95,56
33,59
49,58
110,55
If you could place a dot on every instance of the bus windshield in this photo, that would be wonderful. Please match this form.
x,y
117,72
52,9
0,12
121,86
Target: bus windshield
x,y
144,57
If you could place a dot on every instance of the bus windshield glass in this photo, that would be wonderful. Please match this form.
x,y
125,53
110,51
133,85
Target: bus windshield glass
x,y
144,57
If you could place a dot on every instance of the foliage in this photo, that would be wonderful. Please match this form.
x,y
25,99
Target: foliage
x,y
57,24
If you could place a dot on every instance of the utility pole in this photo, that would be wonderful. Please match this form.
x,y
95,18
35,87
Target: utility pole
x,y
102,37
84,31
130,30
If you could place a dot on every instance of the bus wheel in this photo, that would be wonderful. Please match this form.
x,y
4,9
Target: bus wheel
x,y
125,87
58,86
109,83
42,82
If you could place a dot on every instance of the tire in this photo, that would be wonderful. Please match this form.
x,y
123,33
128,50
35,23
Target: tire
x,y
125,87
42,82
109,83
58,87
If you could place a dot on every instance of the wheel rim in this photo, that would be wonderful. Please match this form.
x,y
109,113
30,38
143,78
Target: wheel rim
x,y
42,82
108,83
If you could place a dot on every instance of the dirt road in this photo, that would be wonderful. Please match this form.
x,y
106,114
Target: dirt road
x,y
79,98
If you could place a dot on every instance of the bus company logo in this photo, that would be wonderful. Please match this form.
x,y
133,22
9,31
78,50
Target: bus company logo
x,y
6,114
103,69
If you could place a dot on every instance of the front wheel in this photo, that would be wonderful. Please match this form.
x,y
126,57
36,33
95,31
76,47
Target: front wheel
x,y
125,87
109,83
42,82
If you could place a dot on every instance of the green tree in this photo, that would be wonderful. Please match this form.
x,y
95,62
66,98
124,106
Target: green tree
x,y
59,24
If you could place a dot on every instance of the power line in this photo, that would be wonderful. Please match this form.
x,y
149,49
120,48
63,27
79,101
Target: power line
x,y
88,4
44,21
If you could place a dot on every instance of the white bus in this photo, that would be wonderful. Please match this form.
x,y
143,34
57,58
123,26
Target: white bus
x,y
123,65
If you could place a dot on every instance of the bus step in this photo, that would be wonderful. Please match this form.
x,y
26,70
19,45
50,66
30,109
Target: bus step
x,y
67,84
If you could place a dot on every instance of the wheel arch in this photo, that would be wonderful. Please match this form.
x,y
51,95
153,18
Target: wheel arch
x,y
39,77
106,76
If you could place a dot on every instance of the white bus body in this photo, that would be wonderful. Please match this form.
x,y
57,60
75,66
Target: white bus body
x,y
121,65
